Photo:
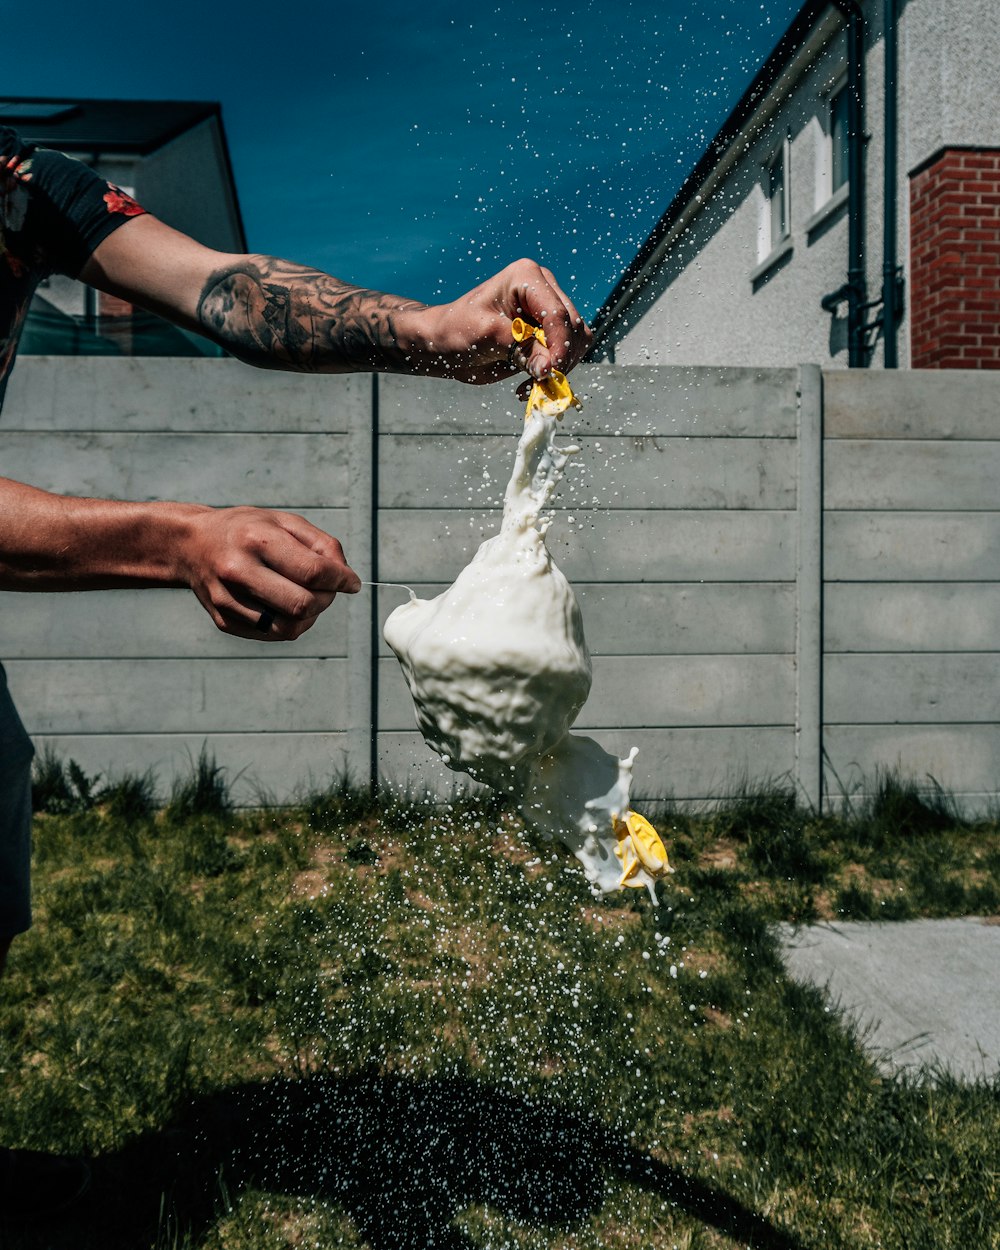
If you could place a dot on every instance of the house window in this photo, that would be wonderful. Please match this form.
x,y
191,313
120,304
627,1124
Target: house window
x,y
778,198
839,139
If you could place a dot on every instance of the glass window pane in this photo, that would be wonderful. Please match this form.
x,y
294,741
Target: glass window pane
x,y
776,194
839,142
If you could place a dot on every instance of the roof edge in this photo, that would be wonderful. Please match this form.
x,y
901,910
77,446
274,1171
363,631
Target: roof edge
x,y
212,109
231,174
202,110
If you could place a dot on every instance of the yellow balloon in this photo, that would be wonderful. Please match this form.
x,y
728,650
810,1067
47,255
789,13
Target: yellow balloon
x,y
550,396
639,846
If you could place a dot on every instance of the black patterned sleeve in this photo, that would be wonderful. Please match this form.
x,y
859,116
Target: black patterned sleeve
x,y
70,210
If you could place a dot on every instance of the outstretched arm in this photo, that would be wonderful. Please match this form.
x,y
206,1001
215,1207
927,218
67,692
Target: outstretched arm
x,y
244,561
277,314
240,562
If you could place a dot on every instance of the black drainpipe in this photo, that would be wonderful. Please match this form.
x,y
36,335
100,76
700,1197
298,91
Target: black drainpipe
x,y
855,291
891,285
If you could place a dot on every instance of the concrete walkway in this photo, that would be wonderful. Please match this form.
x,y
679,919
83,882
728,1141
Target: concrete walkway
x,y
923,993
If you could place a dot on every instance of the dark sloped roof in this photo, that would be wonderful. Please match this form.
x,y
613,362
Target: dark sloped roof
x,y
136,127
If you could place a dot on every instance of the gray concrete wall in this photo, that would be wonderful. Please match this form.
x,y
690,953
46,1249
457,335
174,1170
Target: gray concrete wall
x,y
676,525
697,524
912,564
130,680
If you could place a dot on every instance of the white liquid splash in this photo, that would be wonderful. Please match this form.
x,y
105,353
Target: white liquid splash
x,y
498,668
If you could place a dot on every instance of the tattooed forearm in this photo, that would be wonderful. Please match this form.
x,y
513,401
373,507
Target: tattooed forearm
x,y
284,316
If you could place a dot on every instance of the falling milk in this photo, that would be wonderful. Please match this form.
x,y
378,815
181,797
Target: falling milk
x,y
498,669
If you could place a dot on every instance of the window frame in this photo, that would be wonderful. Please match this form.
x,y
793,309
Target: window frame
x,y
773,246
837,90
827,197
770,240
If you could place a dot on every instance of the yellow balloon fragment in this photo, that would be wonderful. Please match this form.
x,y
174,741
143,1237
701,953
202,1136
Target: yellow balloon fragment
x,y
522,330
550,396
639,846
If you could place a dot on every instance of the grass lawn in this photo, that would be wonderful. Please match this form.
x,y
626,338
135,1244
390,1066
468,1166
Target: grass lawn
x,y
375,1025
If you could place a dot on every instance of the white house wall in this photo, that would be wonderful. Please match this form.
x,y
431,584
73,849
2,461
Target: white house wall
x,y
700,305
950,52
703,306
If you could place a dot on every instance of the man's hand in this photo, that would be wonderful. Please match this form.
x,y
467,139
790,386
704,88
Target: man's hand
x,y
240,562
261,574
470,339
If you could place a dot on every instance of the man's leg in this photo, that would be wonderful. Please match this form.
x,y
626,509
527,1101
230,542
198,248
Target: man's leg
x,y
16,753
32,1185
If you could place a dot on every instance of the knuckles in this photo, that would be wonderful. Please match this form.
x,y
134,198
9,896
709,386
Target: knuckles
x,y
306,607
231,568
300,607
325,573
292,629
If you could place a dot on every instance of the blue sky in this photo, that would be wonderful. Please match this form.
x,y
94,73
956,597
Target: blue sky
x,y
417,148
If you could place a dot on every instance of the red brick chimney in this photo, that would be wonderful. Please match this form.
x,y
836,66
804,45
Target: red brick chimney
x,y
955,261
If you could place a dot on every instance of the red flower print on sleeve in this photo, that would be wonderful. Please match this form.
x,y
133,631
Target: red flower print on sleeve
x,y
118,202
13,171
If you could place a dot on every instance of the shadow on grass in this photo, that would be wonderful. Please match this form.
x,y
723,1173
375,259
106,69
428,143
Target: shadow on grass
x,y
403,1157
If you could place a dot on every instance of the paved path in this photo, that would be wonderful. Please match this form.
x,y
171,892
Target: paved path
x,y
923,992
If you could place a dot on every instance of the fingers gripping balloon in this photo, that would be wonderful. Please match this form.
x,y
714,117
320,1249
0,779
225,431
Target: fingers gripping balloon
x,y
550,396
498,668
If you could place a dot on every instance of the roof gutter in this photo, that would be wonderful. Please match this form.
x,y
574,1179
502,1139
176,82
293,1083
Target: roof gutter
x,y
892,291
855,291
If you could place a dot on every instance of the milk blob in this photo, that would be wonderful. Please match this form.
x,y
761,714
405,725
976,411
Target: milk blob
x,y
498,668
497,664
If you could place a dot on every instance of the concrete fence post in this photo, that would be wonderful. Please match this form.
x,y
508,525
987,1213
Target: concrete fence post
x,y
362,651
809,588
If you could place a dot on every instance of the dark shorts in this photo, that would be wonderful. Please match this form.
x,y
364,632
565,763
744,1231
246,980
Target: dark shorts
x,y
16,754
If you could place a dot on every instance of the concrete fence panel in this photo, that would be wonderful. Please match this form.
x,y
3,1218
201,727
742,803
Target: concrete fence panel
x,y
676,524
784,576
142,680
912,653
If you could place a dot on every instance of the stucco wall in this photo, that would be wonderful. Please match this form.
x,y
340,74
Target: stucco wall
x,y
701,305
949,58
704,304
